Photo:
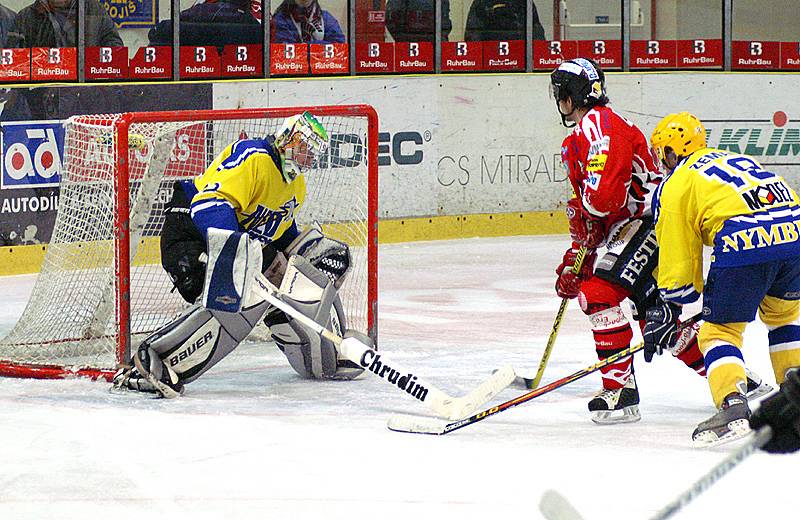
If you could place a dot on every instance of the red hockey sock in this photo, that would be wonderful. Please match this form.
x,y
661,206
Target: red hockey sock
x,y
612,333
688,350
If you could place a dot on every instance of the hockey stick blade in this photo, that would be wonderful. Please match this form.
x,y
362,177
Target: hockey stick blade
x,y
467,405
381,366
421,425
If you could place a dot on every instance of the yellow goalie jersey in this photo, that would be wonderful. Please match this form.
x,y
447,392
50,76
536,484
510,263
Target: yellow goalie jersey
x,y
728,201
244,190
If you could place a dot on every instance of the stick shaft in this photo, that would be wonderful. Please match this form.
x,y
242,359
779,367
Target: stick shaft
x,y
761,437
551,341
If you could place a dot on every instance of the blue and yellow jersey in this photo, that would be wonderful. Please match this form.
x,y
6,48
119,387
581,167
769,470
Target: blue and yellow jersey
x,y
728,201
243,190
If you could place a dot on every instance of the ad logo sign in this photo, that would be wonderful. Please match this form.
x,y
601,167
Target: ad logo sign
x,y
31,154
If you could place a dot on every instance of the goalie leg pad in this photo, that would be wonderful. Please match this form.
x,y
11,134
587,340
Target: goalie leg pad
x,y
186,348
311,292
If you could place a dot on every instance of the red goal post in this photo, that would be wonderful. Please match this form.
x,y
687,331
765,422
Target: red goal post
x,y
101,289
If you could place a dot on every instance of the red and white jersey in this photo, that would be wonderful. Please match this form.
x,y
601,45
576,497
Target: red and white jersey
x,y
612,168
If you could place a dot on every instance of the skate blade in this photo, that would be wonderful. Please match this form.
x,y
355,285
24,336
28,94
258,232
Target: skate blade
x,y
629,414
736,430
762,389
130,392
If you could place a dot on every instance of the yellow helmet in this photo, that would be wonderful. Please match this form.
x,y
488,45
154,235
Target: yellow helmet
x,y
682,132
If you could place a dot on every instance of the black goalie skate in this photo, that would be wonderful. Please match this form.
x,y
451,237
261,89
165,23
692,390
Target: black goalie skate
x,y
728,424
163,379
130,380
616,406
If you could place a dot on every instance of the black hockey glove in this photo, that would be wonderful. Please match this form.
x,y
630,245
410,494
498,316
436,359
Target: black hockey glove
x,y
781,411
661,329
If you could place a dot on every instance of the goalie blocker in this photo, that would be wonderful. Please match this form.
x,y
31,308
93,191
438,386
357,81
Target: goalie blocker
x,y
204,334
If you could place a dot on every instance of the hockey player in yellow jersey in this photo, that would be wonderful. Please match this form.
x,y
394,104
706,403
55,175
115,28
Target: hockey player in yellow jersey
x,y
236,217
751,218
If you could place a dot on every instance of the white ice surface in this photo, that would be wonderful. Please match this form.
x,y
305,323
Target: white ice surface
x,y
252,440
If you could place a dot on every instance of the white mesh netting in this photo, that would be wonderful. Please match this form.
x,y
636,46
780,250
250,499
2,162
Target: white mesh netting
x,y
71,320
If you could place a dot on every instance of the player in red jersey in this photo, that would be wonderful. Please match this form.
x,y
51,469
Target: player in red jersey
x,y
614,174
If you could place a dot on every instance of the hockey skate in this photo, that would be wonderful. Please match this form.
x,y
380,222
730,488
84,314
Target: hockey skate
x,y
728,424
620,405
163,379
128,380
755,386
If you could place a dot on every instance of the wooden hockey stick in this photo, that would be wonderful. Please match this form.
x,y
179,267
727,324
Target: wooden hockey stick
x,y
551,341
431,426
385,369
554,506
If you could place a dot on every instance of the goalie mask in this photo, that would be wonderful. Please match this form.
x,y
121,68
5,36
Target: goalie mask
x,y
301,139
581,80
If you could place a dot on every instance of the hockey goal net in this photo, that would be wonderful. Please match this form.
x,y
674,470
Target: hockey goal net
x,y
102,290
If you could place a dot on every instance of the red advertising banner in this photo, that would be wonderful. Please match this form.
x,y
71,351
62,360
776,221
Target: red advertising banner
x,y
413,56
607,53
242,61
550,54
106,62
699,53
199,62
288,58
462,56
151,63
329,58
790,55
15,65
54,64
654,54
504,55
755,55
374,57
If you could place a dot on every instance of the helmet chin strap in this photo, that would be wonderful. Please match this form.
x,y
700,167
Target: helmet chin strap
x,y
564,116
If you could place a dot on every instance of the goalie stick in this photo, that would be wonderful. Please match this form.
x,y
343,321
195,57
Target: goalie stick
x,y
378,364
554,506
431,426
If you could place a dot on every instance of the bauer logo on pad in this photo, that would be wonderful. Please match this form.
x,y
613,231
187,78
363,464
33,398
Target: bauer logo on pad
x,y
32,154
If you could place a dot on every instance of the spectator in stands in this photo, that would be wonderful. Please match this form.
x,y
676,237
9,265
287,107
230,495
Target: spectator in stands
x,y
7,26
304,21
414,21
213,22
496,20
54,23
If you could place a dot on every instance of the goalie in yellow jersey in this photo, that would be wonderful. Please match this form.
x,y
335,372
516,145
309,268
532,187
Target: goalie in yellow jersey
x,y
236,218
751,218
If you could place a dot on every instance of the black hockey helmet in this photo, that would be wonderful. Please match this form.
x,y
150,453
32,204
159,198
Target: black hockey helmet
x,y
582,80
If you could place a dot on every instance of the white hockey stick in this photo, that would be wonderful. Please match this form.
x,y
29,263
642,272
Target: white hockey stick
x,y
377,363
554,506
